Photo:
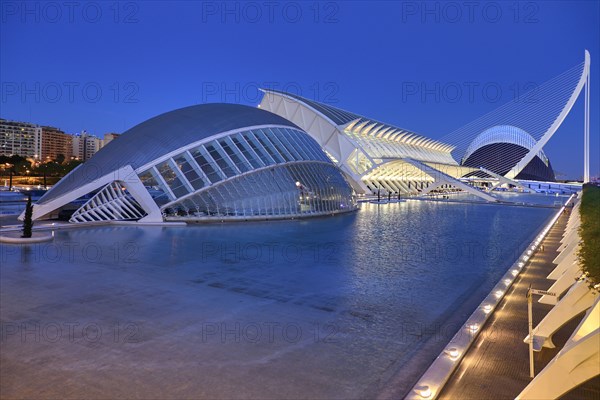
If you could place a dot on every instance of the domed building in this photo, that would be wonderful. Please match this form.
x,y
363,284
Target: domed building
x,y
204,162
501,147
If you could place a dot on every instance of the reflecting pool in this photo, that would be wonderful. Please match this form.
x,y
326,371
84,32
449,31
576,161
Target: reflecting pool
x,y
333,307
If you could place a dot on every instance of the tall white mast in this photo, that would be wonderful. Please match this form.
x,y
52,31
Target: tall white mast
x,y
586,124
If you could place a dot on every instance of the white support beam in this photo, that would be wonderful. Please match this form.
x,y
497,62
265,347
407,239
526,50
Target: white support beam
x,y
444,178
576,363
578,299
565,281
586,127
557,122
125,174
567,252
503,179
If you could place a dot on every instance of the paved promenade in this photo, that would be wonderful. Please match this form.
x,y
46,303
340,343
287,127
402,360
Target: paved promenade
x,y
497,365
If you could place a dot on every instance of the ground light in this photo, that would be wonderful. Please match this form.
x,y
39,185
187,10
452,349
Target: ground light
x,y
424,391
442,367
452,352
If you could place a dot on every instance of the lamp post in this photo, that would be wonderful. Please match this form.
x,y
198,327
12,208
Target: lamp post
x,y
10,175
530,293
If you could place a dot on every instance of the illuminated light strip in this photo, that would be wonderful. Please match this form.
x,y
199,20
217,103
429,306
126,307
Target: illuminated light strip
x,y
435,378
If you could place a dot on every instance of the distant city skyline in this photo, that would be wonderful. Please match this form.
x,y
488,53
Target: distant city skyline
x,y
45,143
74,133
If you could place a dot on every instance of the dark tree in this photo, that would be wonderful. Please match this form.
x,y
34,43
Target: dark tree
x,y
28,220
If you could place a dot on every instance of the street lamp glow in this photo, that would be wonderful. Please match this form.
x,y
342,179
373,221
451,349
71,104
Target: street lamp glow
x,y
473,328
487,308
499,293
507,281
514,272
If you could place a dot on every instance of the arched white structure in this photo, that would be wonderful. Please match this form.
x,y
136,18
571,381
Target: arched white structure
x,y
204,162
559,120
374,155
539,112
503,134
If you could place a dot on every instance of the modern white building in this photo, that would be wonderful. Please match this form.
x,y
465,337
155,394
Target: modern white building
x,y
374,155
193,162
502,147
205,162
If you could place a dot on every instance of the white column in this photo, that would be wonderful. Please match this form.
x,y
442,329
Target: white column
x,y
586,131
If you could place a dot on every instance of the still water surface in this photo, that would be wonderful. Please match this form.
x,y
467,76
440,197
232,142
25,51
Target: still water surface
x,y
321,308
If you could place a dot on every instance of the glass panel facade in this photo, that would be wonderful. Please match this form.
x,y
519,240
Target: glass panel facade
x,y
189,172
247,151
205,182
207,167
154,186
237,159
258,149
267,145
172,180
284,191
222,163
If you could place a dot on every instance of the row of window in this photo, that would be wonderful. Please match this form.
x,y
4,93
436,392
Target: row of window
x,y
225,158
382,148
286,190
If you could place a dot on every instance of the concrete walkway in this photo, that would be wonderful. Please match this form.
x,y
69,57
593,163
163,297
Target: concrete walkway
x,y
497,365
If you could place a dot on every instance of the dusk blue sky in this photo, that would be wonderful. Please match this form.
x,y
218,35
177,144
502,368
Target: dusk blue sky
x,y
150,57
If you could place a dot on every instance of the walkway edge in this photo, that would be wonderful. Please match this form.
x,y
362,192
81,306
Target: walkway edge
x,y
437,375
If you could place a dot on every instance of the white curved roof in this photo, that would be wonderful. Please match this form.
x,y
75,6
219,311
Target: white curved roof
x,y
503,134
161,135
